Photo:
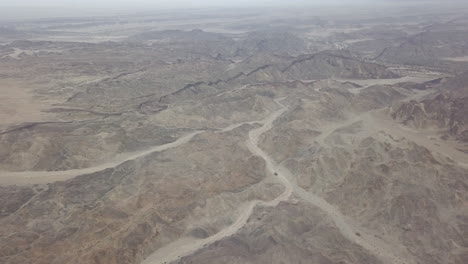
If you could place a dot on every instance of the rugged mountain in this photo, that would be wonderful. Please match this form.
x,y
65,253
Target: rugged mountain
x,y
8,32
184,44
366,159
447,111
136,139
428,48
196,35
371,48
335,64
120,214
441,112
322,65
272,41
267,239
456,87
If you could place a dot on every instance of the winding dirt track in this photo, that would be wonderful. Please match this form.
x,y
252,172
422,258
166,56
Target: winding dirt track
x,y
187,246
41,177
379,248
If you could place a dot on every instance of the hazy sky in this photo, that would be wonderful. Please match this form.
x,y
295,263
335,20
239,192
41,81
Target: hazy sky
x,y
174,3
17,9
186,3
41,8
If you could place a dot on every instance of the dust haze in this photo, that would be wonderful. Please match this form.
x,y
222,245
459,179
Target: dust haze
x,y
31,9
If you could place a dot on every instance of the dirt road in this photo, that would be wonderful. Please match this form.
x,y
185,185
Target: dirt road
x,y
42,177
187,246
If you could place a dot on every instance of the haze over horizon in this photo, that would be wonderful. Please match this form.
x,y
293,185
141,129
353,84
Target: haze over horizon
x,y
62,8
199,3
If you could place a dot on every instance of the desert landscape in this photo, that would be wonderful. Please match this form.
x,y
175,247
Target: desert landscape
x,y
325,135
